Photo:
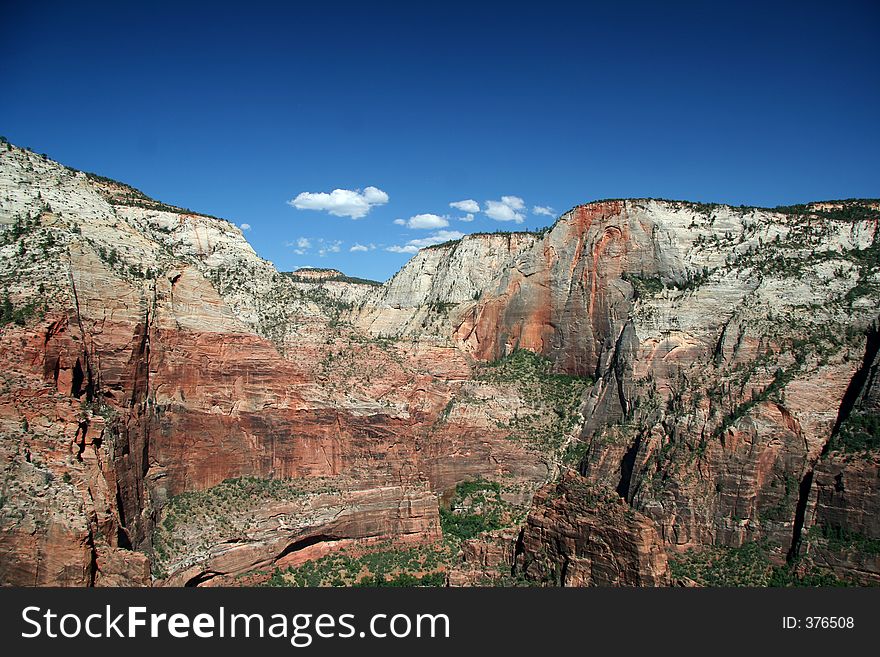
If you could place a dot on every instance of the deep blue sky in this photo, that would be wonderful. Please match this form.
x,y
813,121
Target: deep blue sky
x,y
235,109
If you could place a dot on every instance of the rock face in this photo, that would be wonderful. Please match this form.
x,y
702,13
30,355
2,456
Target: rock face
x,y
842,522
580,534
725,389
157,357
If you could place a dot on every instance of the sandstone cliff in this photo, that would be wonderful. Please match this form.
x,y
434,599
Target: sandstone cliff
x,y
725,343
714,367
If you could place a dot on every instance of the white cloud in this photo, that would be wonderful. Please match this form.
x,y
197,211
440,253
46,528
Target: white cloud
x,y
437,238
341,202
467,217
300,246
362,247
329,246
424,221
514,202
468,205
427,221
507,209
403,249
245,227
544,209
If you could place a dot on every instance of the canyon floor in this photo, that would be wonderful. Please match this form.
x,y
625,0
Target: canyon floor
x,y
645,393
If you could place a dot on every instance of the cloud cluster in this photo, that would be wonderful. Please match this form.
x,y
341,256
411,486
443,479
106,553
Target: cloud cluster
x,y
331,246
300,246
544,209
341,202
303,245
437,238
362,247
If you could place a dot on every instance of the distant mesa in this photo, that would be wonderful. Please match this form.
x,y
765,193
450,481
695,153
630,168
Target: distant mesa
x,y
321,275
316,273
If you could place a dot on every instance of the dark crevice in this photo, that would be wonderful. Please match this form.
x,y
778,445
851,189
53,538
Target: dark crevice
x,y
304,543
122,537
201,578
799,515
627,465
93,560
76,388
857,383
518,549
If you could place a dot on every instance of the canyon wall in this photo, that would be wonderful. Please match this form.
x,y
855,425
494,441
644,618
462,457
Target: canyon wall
x,y
173,410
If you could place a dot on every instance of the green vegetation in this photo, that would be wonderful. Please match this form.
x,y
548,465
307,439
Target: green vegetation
x,y
20,227
798,252
10,314
749,565
553,398
842,540
860,432
781,378
784,509
476,507
645,286
383,566
238,494
648,286
846,210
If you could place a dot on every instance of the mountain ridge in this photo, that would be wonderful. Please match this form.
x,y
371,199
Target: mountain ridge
x,y
679,378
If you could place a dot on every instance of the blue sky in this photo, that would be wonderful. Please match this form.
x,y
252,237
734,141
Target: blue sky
x,y
239,109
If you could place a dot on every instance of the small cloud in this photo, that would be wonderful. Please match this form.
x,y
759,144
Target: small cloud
x,y
363,247
544,209
437,238
468,205
467,217
426,222
400,222
245,227
341,202
507,209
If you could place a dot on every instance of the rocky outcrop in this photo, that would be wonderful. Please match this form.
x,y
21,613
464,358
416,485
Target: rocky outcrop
x,y
488,560
275,533
580,534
